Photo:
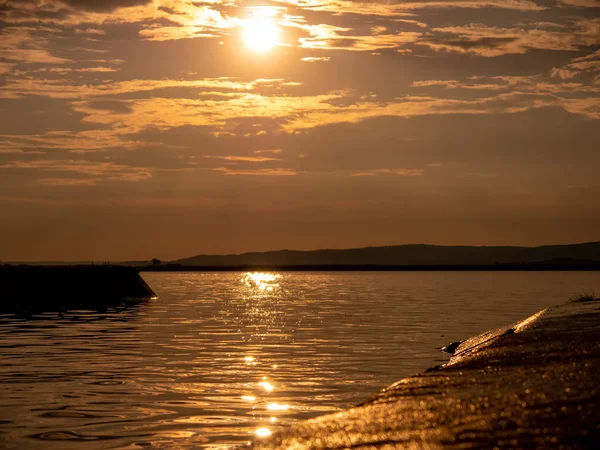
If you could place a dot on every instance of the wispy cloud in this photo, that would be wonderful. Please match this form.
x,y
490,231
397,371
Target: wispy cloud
x,y
278,172
315,58
68,181
329,37
398,172
5,67
387,9
589,64
19,45
276,151
255,159
60,88
88,171
495,41
581,3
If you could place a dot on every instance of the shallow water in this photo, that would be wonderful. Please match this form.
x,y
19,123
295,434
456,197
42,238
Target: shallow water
x,y
222,358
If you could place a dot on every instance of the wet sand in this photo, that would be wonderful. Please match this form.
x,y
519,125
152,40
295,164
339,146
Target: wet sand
x,y
535,384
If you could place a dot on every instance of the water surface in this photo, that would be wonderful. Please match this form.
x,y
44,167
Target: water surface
x,y
223,358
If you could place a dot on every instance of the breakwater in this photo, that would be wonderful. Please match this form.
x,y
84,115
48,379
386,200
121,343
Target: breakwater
x,y
43,288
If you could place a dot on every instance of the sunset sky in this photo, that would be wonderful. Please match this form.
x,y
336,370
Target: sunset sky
x,y
132,129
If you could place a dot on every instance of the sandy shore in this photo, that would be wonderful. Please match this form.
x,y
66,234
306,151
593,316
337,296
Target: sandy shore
x,y
535,384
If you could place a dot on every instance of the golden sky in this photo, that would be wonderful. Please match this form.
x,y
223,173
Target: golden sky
x,y
132,129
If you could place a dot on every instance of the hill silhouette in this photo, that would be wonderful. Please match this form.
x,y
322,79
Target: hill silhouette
x,y
399,255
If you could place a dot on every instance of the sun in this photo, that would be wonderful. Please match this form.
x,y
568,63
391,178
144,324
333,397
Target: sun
x,y
261,34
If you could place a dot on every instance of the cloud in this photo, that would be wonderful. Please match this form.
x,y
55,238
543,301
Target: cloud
x,y
92,31
276,151
315,59
473,83
332,37
397,9
331,40
492,41
255,159
563,73
163,20
32,56
111,112
19,45
582,3
64,70
5,67
104,5
183,20
159,19
283,111
537,90
96,69
174,33
279,172
588,64
92,172
399,172
59,88
68,182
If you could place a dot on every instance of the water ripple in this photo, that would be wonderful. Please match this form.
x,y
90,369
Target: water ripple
x,y
224,358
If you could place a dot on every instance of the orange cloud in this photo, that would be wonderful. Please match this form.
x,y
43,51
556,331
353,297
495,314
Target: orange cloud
x,y
400,172
97,170
279,172
396,9
68,181
492,41
244,158
315,59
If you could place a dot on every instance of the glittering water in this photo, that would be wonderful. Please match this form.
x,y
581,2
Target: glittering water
x,y
223,358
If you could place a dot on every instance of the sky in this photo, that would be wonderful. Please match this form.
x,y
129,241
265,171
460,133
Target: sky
x,y
136,129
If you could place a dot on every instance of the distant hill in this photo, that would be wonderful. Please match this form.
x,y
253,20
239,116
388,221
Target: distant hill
x,y
412,254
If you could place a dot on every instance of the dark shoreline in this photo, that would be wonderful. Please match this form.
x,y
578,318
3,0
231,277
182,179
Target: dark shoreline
x,y
377,268
531,385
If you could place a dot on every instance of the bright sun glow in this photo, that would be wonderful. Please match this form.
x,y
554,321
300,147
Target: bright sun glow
x,y
261,34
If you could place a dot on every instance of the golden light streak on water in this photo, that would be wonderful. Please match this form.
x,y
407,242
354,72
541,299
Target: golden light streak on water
x,y
266,386
263,432
277,407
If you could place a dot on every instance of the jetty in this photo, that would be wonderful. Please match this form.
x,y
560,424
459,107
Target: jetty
x,y
48,288
535,384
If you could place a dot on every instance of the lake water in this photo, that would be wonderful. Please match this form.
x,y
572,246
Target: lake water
x,y
223,358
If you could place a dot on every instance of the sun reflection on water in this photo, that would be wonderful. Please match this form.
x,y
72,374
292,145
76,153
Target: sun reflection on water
x,y
262,281
266,386
265,324
277,407
263,432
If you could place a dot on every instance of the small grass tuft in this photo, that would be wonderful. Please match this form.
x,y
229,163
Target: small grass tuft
x,y
590,296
